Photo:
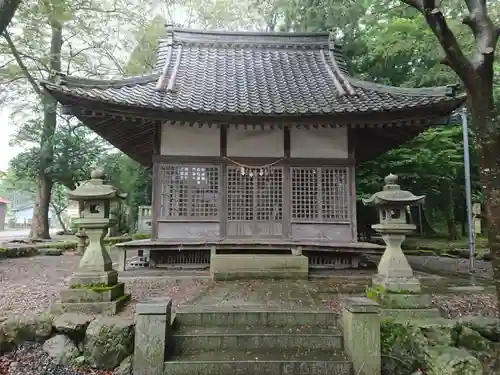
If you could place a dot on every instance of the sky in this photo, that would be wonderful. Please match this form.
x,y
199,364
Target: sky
x,y
7,130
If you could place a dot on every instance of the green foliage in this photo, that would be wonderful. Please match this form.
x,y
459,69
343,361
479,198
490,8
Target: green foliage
x,y
98,287
111,241
141,236
376,293
384,42
129,176
401,347
143,57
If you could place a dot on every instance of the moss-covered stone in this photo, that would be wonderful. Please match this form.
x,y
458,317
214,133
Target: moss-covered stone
x,y
61,349
487,327
99,287
125,368
439,332
73,325
447,360
16,330
28,250
441,346
470,339
109,340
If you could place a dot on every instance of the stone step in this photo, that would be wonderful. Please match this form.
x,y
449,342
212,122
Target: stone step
x,y
243,318
259,362
252,338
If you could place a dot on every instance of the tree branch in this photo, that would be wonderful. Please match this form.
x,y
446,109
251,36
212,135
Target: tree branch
x,y
485,33
417,4
21,64
7,10
436,20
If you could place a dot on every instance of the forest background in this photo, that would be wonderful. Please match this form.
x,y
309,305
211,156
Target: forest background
x,y
384,41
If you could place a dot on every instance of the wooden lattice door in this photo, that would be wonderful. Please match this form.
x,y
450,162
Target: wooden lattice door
x,y
254,202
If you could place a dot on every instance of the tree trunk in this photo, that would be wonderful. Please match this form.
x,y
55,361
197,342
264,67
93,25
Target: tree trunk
x,y
476,73
7,10
40,222
60,219
427,230
486,120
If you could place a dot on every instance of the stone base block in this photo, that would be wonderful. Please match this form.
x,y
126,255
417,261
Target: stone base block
x,y
397,284
97,308
94,278
261,266
405,301
93,294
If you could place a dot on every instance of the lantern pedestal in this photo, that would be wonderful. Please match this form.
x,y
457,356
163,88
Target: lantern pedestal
x,y
394,271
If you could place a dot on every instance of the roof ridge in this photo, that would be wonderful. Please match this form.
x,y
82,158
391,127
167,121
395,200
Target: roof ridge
x,y
409,91
250,33
103,83
248,38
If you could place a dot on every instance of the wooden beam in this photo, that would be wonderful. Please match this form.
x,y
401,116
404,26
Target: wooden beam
x,y
257,161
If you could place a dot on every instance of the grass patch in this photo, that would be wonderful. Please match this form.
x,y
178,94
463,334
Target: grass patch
x,y
136,236
64,243
444,247
28,250
98,287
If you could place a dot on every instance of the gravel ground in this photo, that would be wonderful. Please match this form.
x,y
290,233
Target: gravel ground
x,y
452,305
456,305
32,284
30,359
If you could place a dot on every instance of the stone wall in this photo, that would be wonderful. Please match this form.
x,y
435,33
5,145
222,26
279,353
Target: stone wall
x,y
75,340
441,346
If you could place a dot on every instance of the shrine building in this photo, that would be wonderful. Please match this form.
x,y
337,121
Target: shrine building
x,y
253,139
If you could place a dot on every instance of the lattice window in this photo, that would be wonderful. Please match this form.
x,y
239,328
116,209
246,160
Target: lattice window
x,y
269,195
189,191
305,195
334,194
254,197
239,195
320,194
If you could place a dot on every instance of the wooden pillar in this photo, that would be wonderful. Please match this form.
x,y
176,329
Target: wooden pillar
x,y
222,183
287,187
156,199
351,174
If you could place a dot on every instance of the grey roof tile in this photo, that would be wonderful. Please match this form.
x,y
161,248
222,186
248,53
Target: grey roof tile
x,y
252,73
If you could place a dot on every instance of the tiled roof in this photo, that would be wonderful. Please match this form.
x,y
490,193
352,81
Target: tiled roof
x,y
3,200
252,73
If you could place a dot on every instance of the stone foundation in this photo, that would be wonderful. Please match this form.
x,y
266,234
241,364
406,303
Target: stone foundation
x,y
105,299
258,266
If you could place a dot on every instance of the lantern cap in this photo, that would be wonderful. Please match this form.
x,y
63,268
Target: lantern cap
x,y
95,188
392,194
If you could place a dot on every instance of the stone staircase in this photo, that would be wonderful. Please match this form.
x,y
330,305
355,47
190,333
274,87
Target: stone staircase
x,y
237,341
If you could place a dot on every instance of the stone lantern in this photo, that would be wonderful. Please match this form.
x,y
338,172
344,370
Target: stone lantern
x,y
394,271
94,286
